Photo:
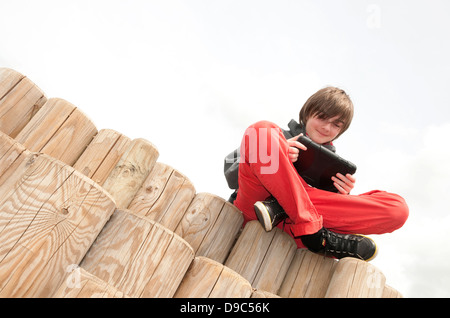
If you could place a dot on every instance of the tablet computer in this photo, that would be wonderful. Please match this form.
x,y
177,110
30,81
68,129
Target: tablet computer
x,y
317,165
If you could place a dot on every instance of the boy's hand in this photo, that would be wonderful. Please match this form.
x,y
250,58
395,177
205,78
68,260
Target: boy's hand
x,y
344,184
294,146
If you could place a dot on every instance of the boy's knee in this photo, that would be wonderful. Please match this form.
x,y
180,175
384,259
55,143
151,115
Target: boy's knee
x,y
263,132
263,143
264,124
398,210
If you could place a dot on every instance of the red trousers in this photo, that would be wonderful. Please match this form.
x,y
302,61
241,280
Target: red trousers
x,y
265,169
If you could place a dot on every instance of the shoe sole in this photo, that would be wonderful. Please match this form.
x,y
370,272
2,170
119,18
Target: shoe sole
x,y
263,216
376,249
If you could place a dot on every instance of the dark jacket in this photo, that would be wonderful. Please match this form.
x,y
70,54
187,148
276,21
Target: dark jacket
x,y
231,165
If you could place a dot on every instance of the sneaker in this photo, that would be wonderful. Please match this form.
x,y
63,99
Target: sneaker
x,y
342,245
269,213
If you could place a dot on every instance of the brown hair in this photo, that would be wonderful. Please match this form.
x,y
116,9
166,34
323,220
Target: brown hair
x,y
327,103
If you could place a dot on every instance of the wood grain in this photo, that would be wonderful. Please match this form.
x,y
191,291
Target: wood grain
x,y
390,292
58,129
10,150
279,255
209,279
138,256
46,224
8,79
102,155
9,177
72,138
308,276
45,124
258,293
210,225
130,172
82,284
249,251
21,102
231,285
258,252
170,271
221,237
354,278
164,196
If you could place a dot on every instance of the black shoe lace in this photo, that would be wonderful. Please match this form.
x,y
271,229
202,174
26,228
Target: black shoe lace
x,y
340,244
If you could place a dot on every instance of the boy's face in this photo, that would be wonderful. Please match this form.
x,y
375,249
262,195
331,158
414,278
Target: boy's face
x,y
322,130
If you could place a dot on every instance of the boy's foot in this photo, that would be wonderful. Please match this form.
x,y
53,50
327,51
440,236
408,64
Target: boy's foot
x,y
269,213
341,245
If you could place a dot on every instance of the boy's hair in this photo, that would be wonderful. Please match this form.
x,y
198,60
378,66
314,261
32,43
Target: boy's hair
x,y
327,103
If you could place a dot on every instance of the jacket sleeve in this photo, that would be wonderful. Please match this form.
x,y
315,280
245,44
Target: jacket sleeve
x,y
231,169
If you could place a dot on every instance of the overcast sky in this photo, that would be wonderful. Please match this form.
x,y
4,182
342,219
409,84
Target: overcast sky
x,y
190,76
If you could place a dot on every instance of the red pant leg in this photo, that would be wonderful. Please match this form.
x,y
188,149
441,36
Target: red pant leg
x,y
265,169
374,212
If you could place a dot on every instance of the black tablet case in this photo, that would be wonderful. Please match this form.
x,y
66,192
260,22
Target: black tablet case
x,y
318,164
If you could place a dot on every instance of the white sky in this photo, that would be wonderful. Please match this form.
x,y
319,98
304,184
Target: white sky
x,y
190,76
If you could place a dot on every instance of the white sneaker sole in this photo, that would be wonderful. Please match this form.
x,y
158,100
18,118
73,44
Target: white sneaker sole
x,y
263,216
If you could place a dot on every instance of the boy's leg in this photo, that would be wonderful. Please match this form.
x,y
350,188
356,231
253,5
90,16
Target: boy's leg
x,y
309,209
374,212
265,169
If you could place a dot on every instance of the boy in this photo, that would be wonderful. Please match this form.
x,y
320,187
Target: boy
x,y
268,187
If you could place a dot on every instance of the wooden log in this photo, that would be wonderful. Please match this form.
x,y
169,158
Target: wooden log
x,y
5,142
72,138
389,292
250,249
279,255
13,157
231,285
130,172
102,155
210,279
20,100
138,256
257,253
354,278
45,124
164,196
82,284
259,293
308,276
8,79
200,279
10,150
58,129
210,225
47,223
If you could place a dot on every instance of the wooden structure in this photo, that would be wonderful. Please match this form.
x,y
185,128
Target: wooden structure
x,y
92,213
